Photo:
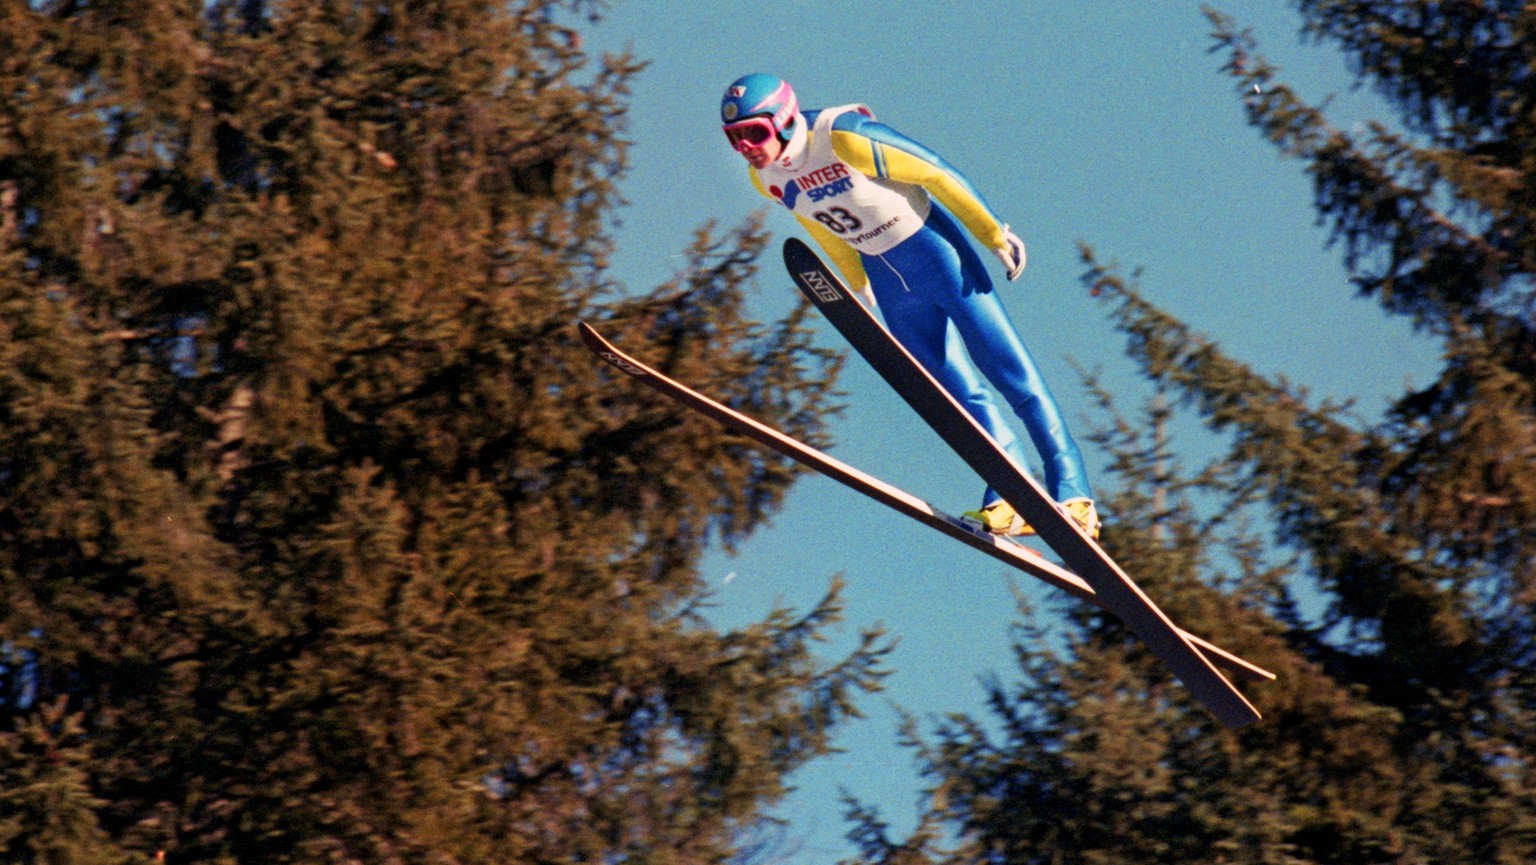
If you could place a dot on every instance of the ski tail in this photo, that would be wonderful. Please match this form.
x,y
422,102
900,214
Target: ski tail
x,y
1006,551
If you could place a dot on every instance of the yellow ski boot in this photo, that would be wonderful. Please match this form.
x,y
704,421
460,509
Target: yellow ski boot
x,y
1000,518
1084,514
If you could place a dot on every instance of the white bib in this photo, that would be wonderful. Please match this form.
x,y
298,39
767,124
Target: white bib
x,y
869,214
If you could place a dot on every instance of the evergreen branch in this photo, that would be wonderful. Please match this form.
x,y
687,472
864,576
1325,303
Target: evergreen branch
x,y
1379,201
1309,464
1445,63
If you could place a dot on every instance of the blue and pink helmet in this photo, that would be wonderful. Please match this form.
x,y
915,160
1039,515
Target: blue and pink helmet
x,y
760,95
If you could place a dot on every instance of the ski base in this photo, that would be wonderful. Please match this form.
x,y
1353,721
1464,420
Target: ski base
x,y
1005,550
1118,594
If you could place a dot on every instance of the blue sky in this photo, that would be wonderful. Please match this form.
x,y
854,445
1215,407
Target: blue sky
x,y
1103,123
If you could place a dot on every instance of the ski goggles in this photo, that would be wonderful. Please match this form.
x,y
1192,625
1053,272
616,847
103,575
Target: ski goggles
x,y
749,134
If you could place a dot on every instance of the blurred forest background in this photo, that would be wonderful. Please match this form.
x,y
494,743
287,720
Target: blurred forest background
x,y
323,539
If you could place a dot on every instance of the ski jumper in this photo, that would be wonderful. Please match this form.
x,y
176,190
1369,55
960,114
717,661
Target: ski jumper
x,y
888,212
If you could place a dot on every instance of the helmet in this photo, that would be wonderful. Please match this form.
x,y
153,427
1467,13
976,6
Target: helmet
x,y
759,94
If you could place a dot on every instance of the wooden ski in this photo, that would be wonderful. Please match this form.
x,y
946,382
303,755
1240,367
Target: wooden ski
x,y
1010,553
1114,589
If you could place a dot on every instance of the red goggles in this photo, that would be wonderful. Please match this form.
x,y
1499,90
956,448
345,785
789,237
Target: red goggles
x,y
749,134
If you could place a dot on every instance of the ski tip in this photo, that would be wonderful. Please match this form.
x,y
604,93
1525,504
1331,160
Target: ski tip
x,y
591,337
794,246
595,341
610,353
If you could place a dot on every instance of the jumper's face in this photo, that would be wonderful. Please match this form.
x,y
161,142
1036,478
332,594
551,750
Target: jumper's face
x,y
755,139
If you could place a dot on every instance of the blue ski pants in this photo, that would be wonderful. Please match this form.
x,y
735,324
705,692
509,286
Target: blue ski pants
x,y
938,301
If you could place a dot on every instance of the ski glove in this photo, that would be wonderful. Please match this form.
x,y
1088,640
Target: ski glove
x,y
1011,254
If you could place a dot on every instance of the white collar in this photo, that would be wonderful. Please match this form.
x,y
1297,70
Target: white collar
x,y
795,149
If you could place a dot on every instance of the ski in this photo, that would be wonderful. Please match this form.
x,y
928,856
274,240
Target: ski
x,y
1116,592
1010,553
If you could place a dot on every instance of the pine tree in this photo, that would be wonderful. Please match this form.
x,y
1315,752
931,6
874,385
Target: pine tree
x,y
314,513
1400,728
47,814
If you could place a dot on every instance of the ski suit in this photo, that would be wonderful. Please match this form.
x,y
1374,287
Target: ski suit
x,y
888,211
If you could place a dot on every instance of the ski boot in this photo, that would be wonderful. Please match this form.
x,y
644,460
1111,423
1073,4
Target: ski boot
x,y
1083,512
1000,518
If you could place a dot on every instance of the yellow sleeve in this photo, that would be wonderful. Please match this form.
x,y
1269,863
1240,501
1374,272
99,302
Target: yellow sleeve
x,y
906,161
